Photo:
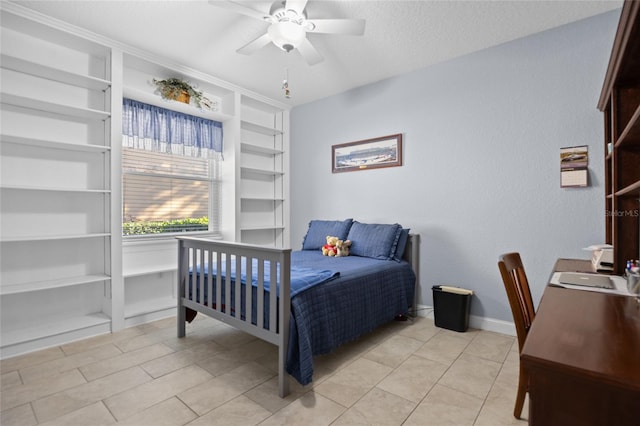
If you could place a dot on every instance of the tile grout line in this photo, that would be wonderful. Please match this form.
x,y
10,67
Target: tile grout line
x,y
157,336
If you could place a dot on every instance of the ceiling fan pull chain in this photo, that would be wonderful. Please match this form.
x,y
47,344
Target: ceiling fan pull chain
x,y
285,84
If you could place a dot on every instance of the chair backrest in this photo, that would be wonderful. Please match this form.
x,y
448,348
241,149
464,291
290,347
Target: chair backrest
x,y
519,294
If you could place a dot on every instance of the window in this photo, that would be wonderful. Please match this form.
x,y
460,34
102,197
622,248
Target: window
x,y
170,171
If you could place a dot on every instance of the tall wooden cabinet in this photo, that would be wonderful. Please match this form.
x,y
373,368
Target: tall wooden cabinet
x,y
66,272
620,102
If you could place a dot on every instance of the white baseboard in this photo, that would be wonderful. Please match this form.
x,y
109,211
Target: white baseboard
x,y
149,317
481,323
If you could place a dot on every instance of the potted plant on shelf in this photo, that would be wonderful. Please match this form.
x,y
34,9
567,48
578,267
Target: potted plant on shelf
x,y
179,90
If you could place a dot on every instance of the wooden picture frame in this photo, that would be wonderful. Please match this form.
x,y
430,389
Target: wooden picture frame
x,y
385,151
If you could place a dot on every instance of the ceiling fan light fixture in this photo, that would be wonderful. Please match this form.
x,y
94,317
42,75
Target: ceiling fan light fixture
x,y
286,35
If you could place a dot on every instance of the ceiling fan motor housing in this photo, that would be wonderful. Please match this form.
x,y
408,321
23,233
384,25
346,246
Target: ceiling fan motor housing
x,y
287,31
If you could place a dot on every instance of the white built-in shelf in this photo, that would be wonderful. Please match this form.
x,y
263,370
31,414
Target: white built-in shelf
x,y
42,188
257,128
49,284
44,71
52,327
53,107
248,147
268,199
6,239
43,143
153,99
62,86
262,211
149,306
261,171
261,227
50,32
147,271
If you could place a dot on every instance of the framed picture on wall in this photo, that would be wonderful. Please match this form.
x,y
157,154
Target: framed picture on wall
x,y
385,151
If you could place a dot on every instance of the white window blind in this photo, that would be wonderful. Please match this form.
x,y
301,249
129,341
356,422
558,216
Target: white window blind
x,y
168,193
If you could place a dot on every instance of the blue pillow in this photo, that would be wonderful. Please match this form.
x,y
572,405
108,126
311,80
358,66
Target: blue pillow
x,y
319,229
402,244
374,240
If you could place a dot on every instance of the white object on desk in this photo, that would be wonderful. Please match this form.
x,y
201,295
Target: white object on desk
x,y
601,257
620,284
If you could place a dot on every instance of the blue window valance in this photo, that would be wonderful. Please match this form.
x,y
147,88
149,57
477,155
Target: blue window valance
x,y
158,129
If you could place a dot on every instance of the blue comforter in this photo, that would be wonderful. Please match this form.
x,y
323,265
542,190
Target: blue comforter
x,y
335,300
367,294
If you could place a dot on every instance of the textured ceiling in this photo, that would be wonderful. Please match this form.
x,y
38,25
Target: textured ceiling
x,y
400,36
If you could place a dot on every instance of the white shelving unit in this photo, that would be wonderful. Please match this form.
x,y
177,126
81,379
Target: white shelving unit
x,y
66,273
149,267
55,193
263,208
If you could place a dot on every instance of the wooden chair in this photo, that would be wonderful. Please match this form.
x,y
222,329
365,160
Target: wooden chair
x,y
519,294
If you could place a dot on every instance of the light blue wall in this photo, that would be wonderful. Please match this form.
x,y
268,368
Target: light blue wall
x,y
482,137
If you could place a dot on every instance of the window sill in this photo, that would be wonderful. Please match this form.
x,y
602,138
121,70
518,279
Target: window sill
x,y
167,237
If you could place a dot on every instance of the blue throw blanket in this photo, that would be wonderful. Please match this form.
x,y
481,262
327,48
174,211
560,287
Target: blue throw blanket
x,y
301,278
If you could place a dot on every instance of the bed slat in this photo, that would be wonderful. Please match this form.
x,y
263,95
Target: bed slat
x,y
260,294
227,287
238,290
249,293
218,280
202,276
209,279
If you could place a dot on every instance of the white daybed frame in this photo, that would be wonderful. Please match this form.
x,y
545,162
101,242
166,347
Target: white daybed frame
x,y
194,252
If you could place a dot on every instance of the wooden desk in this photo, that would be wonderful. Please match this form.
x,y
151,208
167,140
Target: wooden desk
x,y
583,355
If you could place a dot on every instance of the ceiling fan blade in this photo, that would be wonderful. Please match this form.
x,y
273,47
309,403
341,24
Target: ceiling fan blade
x,y
255,45
337,26
297,5
240,8
309,53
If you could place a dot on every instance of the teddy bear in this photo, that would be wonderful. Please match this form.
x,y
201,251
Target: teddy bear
x,y
329,249
342,248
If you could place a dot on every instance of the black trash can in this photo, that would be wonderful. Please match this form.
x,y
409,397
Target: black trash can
x,y
451,307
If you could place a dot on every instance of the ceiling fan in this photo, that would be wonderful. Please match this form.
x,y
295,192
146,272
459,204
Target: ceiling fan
x,y
289,25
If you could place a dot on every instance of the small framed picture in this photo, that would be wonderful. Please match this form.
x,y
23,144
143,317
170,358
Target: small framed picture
x,y
385,151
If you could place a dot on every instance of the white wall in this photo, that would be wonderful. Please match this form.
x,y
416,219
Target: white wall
x,y
482,137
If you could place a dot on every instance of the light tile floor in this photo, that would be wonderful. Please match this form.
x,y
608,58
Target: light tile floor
x,y
404,373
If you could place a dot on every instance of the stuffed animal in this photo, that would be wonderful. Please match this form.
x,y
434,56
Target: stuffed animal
x,y
329,249
342,248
